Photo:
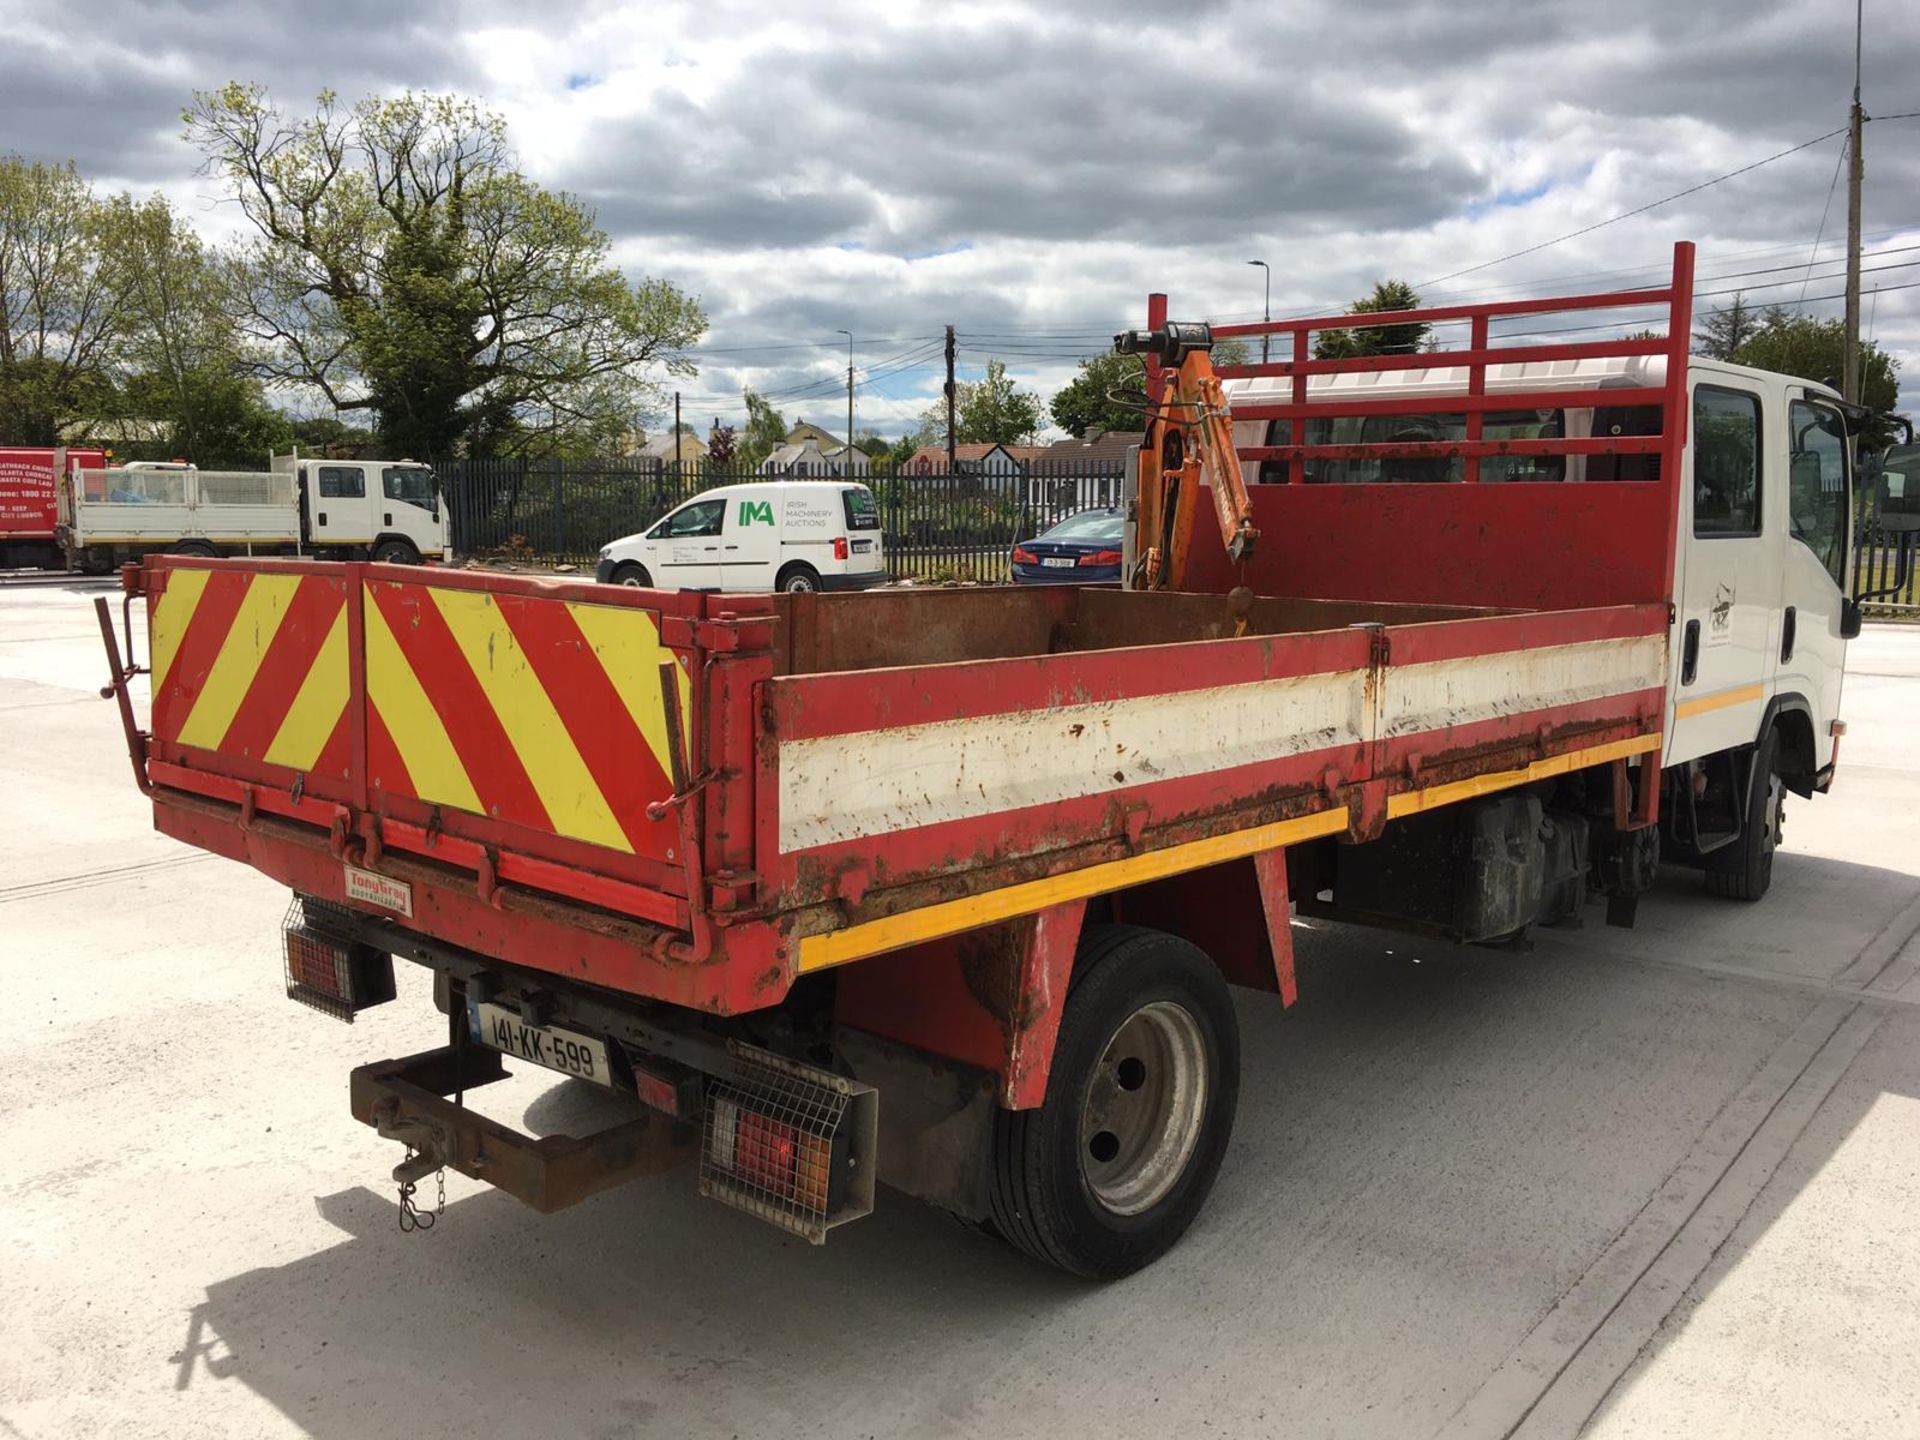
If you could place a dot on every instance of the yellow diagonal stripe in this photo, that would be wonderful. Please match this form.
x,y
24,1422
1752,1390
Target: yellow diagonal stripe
x,y
172,614
539,737
438,775
256,622
627,645
318,704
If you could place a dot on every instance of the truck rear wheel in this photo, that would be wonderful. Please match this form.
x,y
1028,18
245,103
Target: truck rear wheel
x,y
1110,1171
1744,869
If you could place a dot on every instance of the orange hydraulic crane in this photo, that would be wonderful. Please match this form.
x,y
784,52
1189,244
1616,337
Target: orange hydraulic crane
x,y
1189,441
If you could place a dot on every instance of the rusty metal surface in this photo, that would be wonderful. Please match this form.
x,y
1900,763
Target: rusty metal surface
x,y
405,1100
824,634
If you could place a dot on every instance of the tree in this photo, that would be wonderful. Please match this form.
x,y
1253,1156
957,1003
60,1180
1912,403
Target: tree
x,y
59,310
334,439
1376,340
989,411
1087,401
404,268
1724,331
1231,351
1810,349
766,428
872,442
723,445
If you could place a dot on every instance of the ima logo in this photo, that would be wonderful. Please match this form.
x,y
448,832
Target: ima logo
x,y
756,512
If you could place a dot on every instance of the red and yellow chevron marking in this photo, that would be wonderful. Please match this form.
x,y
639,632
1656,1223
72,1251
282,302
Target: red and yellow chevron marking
x,y
533,711
523,709
253,666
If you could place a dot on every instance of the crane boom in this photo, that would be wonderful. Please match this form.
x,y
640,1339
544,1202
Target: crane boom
x,y
1189,441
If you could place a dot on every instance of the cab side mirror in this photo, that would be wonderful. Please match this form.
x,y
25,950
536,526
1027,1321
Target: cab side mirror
x,y
1850,619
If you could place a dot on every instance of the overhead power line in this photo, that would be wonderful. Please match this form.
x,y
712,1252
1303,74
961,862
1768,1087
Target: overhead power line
x,y
1638,210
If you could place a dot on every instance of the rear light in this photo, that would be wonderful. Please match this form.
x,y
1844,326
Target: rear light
x,y
1024,556
839,547
1101,557
790,1144
326,968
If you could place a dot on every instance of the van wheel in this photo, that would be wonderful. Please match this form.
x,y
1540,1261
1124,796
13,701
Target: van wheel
x,y
1744,869
395,552
632,574
798,579
1110,1171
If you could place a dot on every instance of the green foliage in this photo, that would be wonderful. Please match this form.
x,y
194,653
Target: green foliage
x,y
1377,340
1231,351
403,266
873,443
1725,330
1800,345
334,439
766,428
1086,402
989,411
59,310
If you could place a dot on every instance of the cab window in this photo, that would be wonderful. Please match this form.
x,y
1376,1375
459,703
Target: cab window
x,y
412,484
1817,488
700,518
1726,463
342,482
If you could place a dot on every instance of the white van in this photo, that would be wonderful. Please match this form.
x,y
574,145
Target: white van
x,y
793,535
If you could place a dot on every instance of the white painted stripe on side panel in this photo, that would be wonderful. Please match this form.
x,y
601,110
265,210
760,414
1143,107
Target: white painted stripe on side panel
x,y
843,787
1439,693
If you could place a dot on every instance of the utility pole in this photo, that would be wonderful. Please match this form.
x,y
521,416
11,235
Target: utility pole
x,y
950,356
1856,170
676,430
1266,302
849,335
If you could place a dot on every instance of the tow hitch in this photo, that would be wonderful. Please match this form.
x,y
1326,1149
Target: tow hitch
x,y
405,1100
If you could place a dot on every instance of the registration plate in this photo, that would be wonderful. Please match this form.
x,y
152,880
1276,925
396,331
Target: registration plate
x,y
862,547
1057,562
562,1050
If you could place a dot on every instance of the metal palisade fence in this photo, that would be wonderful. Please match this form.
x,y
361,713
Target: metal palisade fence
x,y
937,526
1887,560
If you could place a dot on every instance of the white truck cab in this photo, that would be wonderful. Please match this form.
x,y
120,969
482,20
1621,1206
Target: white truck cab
x,y
792,535
1764,549
389,508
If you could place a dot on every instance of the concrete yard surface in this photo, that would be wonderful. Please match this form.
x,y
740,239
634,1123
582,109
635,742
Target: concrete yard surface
x,y
1651,1182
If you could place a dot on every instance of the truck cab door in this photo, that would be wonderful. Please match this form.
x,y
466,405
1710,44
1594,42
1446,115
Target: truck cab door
x,y
410,506
1817,518
338,511
1727,620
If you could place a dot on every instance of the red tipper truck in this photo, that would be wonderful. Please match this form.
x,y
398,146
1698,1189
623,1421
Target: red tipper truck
x,y
945,888
29,500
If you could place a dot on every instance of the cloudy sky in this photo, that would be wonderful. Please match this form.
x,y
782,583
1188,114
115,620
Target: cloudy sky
x,y
1028,172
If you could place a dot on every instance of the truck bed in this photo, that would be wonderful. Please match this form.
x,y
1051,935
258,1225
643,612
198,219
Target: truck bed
x,y
701,797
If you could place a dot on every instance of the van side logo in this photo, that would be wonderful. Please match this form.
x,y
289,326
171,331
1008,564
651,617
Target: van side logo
x,y
756,512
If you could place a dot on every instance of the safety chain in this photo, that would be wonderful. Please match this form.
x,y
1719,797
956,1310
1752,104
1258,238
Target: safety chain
x,y
412,1217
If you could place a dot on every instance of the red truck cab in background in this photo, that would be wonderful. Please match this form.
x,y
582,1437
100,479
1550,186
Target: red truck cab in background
x,y
29,501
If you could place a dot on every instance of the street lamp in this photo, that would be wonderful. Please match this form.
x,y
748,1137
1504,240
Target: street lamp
x,y
1266,302
849,457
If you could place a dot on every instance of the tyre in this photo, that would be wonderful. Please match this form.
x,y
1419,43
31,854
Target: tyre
x,y
798,579
395,552
1744,869
634,574
198,548
1110,1171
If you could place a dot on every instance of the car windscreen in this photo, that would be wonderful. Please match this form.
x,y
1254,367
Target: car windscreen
x,y
1088,525
861,512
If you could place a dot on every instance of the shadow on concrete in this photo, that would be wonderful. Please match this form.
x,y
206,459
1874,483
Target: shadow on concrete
x,y
1431,1151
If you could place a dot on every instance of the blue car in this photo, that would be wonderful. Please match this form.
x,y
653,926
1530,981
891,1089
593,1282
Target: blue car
x,y
1083,549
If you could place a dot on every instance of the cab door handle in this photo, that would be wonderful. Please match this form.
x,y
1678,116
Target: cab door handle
x,y
1690,652
1789,630
387,519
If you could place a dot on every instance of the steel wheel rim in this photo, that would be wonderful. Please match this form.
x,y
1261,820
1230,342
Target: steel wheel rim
x,y
1141,1115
